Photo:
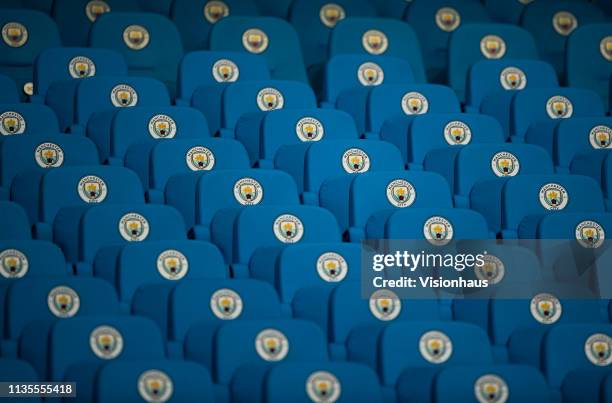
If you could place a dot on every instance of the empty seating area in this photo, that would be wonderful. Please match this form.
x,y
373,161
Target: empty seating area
x,y
185,186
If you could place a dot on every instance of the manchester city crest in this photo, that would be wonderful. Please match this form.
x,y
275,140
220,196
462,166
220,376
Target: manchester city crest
x,y
438,231
49,155
155,386
200,158
590,234
370,74
172,265
332,267
564,23
559,107
545,308
81,67
435,347
414,103
309,129
14,34
248,191
225,71
598,349
255,40
63,302
215,10
271,345
600,137
492,269
133,227
385,305
330,14
162,127
375,42
92,189
270,99
226,304
288,228
505,163
401,193
448,19
123,96
553,196
491,389
136,37
605,48
513,78
12,123
96,8
323,387
492,47
457,133
106,342
355,160
14,264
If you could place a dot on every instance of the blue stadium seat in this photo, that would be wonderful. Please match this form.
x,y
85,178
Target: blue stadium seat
x,y
29,259
273,38
508,12
156,6
11,369
195,30
354,199
29,119
592,384
391,8
378,36
62,64
311,164
598,165
9,94
291,126
434,23
17,225
471,43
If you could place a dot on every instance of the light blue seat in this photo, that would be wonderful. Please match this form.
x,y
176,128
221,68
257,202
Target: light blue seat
x,y
598,165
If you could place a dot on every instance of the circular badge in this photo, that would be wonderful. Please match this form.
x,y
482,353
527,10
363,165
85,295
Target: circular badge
x,y
63,302
288,228
553,196
332,267
491,389
255,40
492,47
605,47
505,164
330,14
590,234
385,305
134,227
14,34
600,137
155,386
123,95
438,231
162,127
598,349
309,129
136,37
225,71
106,342
81,67
172,264
49,155
457,133
435,347
215,10
96,8
28,88
226,304
401,193
248,191
559,107
370,74
92,189
270,99
545,308
414,103
448,19
12,123
513,78
322,386
14,264
271,345
355,160
564,23
375,42
200,159
492,269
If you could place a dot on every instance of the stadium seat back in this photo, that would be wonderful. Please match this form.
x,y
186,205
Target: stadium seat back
x,y
29,119
30,259
17,225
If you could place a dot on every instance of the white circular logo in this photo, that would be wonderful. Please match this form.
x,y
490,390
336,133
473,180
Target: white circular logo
x,y
505,164
332,267
590,234
81,67
559,107
322,386
248,192
513,78
14,264
123,95
492,269
309,129
106,342
491,389
49,155
605,47
370,74
435,347
155,386
545,308
215,10
553,196
96,8
438,231
172,264
162,127
598,349
12,123
457,133
271,345
385,305
28,88
330,14
448,19
375,42
225,71
600,137
200,159
401,193
355,160
92,189
414,103
288,228
564,23
14,34
134,227
255,40
492,47
136,37
226,304
63,302
269,99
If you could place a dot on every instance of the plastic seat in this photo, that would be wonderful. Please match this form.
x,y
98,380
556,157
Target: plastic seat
x,y
597,165
277,8
27,119
9,94
29,259
508,12
592,384
156,6
11,368
273,38
17,225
